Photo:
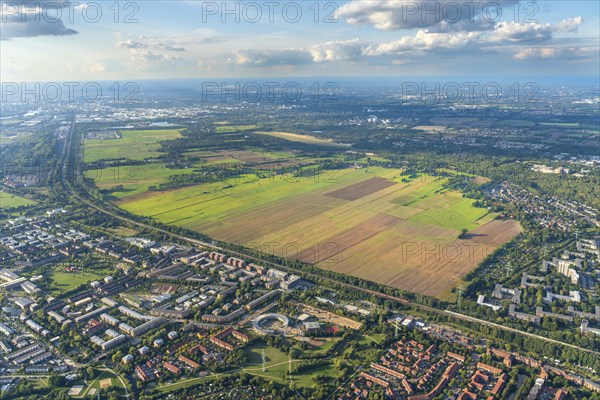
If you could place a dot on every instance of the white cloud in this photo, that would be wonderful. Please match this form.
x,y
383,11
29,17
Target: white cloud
x,y
158,50
556,53
569,24
442,40
32,19
143,58
269,58
514,32
131,44
97,67
391,15
346,50
149,52
426,41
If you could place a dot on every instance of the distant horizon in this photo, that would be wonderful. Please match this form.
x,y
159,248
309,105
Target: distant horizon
x,y
502,78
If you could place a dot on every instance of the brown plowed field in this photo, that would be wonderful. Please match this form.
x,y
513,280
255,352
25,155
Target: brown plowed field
x,y
402,258
338,243
370,223
361,189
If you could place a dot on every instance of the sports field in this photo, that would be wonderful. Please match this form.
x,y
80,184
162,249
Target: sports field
x,y
363,222
133,145
8,200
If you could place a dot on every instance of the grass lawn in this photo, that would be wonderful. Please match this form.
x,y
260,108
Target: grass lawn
x,y
186,382
8,201
328,343
122,231
133,145
101,378
39,384
305,379
65,281
372,337
277,366
276,362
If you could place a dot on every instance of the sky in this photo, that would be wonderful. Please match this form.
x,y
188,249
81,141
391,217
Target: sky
x,y
62,40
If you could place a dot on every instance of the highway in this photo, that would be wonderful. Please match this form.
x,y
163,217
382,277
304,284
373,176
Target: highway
x,y
446,313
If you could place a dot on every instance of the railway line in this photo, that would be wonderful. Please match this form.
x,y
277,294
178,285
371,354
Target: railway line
x,y
67,149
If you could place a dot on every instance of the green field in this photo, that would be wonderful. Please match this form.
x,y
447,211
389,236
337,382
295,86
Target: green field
x,y
8,201
130,180
8,138
234,128
371,339
277,364
134,179
168,387
212,202
561,124
8,133
328,343
515,122
354,221
133,145
65,281
203,206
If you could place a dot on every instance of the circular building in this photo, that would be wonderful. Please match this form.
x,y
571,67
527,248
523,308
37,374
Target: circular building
x,y
269,324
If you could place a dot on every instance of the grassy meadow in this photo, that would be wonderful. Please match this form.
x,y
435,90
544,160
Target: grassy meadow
x,y
8,201
133,145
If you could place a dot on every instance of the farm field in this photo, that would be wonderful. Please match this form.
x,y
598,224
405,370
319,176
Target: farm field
x,y
294,137
364,222
132,179
8,137
222,128
133,145
431,128
250,156
561,124
122,182
8,201
206,206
